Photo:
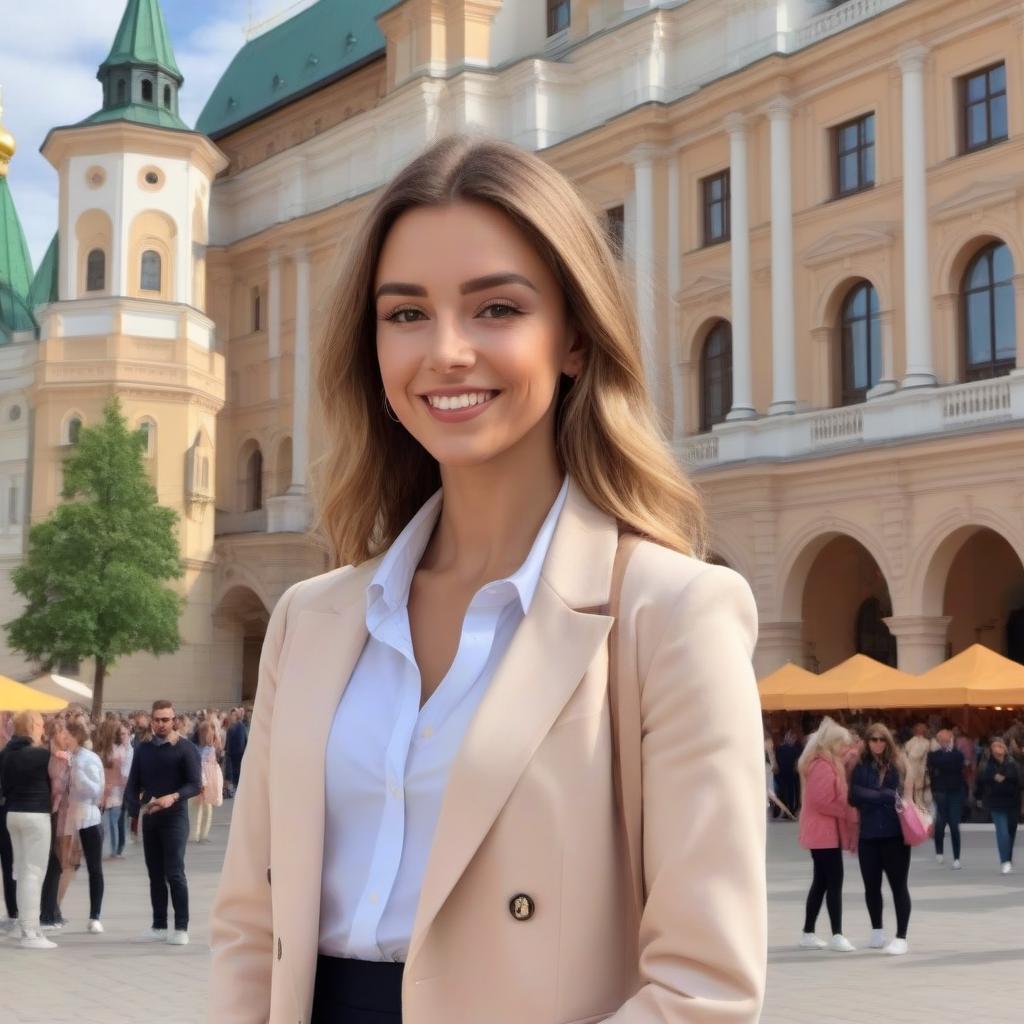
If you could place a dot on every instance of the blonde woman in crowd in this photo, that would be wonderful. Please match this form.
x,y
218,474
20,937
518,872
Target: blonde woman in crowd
x,y
66,852
878,780
113,752
828,826
25,781
916,751
432,727
212,793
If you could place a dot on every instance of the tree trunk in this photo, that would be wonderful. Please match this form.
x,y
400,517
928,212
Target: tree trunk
x,y
97,686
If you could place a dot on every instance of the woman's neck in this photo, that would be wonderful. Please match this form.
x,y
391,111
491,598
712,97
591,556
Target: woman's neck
x,y
491,514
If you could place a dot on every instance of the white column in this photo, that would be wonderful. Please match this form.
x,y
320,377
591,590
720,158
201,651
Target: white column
x,y
920,355
274,323
887,381
300,381
742,376
780,115
643,258
676,357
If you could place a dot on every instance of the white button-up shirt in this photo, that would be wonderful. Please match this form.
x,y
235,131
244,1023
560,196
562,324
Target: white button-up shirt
x,y
388,760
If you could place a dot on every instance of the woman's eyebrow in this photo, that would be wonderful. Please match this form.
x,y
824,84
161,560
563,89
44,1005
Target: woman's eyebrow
x,y
400,288
478,284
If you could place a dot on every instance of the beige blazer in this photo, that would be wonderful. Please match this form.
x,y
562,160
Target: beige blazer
x,y
529,809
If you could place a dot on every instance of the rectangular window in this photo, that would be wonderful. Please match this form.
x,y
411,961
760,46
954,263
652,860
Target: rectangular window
x,y
615,225
716,208
853,146
983,113
558,16
257,310
13,506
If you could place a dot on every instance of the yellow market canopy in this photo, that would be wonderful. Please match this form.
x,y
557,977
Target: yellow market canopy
x,y
18,697
986,678
867,682
774,688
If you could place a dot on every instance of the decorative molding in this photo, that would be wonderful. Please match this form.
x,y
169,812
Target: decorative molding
x,y
849,241
978,196
706,286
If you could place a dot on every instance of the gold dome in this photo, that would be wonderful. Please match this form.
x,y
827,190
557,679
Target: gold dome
x,y
7,145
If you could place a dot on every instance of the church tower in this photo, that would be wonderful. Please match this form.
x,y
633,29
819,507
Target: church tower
x,y
125,314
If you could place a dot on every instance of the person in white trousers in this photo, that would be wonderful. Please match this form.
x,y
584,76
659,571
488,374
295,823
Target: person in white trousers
x,y
25,780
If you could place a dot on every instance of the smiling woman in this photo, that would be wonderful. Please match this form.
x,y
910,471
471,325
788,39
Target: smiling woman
x,y
445,777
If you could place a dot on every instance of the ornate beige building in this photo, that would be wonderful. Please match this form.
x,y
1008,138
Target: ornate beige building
x,y
820,204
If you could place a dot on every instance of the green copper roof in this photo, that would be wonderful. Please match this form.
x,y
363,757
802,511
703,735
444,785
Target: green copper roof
x,y
139,113
308,50
15,269
142,39
44,284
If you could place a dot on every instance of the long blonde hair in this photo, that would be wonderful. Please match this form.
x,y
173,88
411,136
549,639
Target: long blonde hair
x,y
375,475
828,742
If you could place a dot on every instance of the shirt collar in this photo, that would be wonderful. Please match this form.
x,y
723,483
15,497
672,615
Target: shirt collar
x,y
389,588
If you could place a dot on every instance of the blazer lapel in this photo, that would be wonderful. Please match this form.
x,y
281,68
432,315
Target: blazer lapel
x,y
545,663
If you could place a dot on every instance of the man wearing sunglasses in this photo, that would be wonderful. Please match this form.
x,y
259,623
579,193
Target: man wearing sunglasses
x,y
165,773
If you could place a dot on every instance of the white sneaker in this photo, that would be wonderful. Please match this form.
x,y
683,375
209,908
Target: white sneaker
x,y
177,938
808,940
897,947
1007,867
154,935
51,927
36,940
841,944
95,928
878,939
956,865
939,859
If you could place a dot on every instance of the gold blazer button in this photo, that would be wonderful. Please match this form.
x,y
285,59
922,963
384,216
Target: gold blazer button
x,y
521,907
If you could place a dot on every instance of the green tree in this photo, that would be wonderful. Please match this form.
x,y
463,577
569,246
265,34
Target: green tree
x,y
94,578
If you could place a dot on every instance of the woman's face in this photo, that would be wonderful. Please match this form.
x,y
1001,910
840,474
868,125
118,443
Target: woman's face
x,y
122,735
472,333
62,740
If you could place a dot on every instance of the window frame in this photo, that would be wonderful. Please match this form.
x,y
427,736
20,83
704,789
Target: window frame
x,y
838,192
554,9
159,262
848,394
706,421
993,368
965,105
707,203
98,266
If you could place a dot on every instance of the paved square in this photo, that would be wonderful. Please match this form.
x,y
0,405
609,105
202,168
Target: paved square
x,y
967,948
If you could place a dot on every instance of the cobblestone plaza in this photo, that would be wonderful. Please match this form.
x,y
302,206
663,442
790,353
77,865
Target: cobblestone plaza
x,y
965,937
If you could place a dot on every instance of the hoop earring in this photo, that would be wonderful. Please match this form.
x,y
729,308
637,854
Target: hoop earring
x,y
388,411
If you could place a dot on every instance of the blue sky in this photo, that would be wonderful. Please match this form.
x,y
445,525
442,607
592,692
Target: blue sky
x,y
49,53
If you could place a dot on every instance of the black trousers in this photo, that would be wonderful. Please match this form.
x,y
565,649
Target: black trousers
x,y
164,835
890,857
357,992
827,884
92,851
49,910
7,866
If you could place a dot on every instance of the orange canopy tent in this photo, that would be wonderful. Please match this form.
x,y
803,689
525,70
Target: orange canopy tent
x,y
986,679
867,682
18,697
773,688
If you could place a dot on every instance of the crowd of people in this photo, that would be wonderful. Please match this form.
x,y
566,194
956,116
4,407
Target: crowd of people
x,y
849,785
74,787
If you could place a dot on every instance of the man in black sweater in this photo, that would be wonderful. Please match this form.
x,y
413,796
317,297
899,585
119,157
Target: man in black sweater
x,y
947,777
165,773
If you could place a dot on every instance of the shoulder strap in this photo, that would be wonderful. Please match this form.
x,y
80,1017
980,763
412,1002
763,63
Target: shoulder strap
x,y
626,722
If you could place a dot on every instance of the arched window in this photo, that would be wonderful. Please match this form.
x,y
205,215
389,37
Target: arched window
x,y
147,91
96,271
148,430
254,482
122,92
167,97
861,362
873,636
150,271
990,319
74,430
204,480
716,376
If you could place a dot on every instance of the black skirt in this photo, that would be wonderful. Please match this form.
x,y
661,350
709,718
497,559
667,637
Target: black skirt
x,y
357,992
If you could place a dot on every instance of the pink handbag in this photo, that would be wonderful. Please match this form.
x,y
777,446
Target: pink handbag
x,y
915,823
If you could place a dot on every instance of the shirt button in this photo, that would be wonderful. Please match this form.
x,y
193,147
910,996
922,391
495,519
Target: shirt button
x,y
395,792
428,731
374,898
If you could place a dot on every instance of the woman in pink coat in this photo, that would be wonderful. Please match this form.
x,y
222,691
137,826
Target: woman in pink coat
x,y
828,825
